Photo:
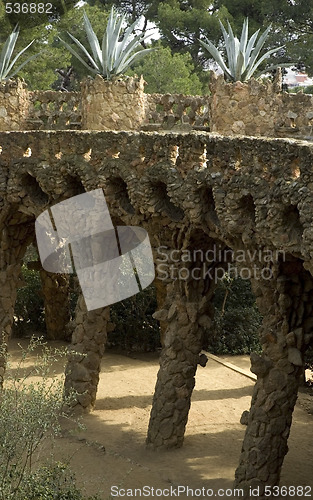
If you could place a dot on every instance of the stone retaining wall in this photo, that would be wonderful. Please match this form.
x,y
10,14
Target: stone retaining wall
x,y
191,191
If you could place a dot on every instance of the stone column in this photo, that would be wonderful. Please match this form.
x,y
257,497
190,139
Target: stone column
x,y
279,369
14,105
13,243
116,104
55,288
185,315
88,344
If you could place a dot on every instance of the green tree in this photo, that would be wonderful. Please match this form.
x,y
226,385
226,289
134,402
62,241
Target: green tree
x,y
165,72
133,9
182,23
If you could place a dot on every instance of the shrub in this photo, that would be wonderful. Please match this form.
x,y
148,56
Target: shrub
x,y
29,305
236,331
31,405
300,89
135,328
236,321
308,89
54,482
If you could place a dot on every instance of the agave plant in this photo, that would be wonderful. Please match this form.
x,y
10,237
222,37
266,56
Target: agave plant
x,y
6,65
243,56
114,56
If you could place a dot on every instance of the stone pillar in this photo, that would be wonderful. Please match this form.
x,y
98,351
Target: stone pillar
x,y
279,371
185,315
13,243
88,344
116,104
55,288
247,108
14,105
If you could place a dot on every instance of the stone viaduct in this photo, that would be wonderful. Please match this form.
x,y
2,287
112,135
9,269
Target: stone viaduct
x,y
191,189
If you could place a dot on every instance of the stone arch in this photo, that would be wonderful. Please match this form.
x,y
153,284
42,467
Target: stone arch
x,y
163,188
116,187
208,206
163,202
290,221
246,205
73,185
34,190
55,289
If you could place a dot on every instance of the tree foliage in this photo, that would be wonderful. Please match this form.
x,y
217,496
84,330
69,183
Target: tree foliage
x,y
165,73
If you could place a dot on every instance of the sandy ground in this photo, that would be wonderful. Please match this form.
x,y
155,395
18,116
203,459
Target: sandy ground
x,y
111,451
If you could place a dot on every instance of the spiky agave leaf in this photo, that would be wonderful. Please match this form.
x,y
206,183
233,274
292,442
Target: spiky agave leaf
x,y
127,56
9,75
114,56
6,65
216,54
93,40
95,68
229,45
253,68
7,49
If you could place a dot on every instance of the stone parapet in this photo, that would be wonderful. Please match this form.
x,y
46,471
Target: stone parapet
x,y
176,111
52,110
255,108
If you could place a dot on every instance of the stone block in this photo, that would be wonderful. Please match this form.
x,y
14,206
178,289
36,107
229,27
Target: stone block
x,y
295,356
79,372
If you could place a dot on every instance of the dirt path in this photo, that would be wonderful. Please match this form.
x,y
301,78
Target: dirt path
x,y
213,436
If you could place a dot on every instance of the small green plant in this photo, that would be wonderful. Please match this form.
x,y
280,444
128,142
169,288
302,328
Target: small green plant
x,y
236,321
52,482
31,404
29,306
243,56
135,328
6,65
114,57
